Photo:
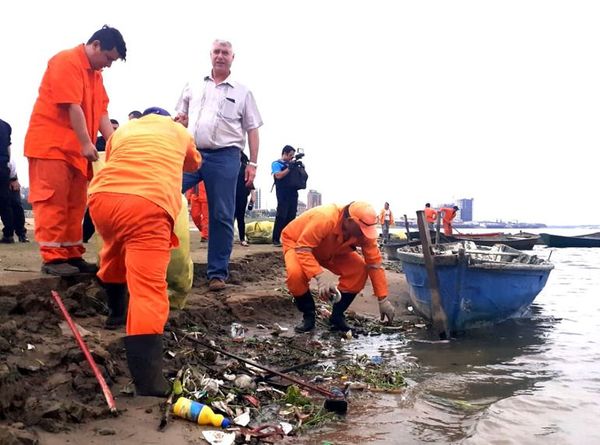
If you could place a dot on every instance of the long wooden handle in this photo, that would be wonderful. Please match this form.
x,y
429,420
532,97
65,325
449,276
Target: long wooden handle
x,y
105,389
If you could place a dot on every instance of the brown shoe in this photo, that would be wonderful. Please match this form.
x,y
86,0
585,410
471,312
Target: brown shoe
x,y
216,284
60,269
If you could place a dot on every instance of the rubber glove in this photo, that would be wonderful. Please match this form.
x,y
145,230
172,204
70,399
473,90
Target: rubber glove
x,y
386,309
326,286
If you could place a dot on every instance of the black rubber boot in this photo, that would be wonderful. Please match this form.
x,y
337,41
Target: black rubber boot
x,y
306,305
337,319
116,300
145,358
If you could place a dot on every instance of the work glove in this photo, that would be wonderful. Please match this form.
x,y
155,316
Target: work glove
x,y
326,286
386,309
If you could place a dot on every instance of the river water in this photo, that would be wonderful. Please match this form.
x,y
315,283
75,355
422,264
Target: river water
x,y
528,381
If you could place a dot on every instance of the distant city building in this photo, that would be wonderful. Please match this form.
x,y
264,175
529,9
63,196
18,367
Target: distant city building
x,y
466,209
258,203
313,199
301,207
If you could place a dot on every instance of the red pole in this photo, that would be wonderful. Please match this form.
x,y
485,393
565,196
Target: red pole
x,y
105,389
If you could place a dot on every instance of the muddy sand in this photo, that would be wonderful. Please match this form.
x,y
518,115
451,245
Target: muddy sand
x,y
48,394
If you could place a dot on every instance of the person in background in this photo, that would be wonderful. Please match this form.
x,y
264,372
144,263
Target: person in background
x,y
134,202
14,219
430,216
220,112
196,197
287,197
327,237
5,198
241,200
70,110
101,141
135,114
386,219
448,215
88,224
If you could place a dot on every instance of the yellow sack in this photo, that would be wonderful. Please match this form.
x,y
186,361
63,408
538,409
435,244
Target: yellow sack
x,y
260,232
180,273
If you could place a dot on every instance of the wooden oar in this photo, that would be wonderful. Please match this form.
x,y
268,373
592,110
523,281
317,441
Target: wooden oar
x,y
438,316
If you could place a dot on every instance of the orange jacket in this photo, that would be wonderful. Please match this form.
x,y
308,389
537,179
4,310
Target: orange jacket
x,y
145,158
382,217
430,215
317,237
69,79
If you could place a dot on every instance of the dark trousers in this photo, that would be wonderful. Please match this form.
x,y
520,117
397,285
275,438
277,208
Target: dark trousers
x,y
13,217
287,205
241,201
5,205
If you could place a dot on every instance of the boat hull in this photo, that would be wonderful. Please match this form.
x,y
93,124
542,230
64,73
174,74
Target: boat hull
x,y
591,240
473,295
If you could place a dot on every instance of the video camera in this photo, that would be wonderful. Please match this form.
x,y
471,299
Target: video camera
x,y
297,158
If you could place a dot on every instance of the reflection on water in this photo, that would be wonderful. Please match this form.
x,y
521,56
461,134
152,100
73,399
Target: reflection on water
x,y
533,380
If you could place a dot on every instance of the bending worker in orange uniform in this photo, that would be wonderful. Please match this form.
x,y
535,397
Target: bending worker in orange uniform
x,y
327,237
134,201
70,109
448,215
430,215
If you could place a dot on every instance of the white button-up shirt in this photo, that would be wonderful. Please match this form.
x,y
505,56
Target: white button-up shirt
x,y
219,115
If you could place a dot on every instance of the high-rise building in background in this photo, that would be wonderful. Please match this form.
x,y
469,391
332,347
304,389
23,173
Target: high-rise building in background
x,y
258,203
313,199
466,209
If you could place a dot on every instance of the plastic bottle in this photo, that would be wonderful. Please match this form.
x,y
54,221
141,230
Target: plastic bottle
x,y
200,413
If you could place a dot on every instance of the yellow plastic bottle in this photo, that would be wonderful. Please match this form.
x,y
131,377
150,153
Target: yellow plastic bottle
x,y
200,413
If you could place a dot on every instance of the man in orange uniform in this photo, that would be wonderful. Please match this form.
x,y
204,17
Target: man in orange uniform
x,y
134,201
430,216
327,237
70,109
386,219
448,215
196,196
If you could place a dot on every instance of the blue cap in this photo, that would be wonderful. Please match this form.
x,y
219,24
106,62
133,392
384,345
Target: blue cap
x,y
156,110
226,423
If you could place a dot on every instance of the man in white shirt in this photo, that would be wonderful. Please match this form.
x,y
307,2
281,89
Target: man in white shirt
x,y
220,112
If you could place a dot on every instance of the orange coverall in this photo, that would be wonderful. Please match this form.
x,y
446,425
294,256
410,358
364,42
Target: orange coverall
x,y
134,201
314,241
430,215
448,214
58,173
196,196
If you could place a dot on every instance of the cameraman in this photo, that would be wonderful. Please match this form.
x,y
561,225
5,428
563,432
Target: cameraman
x,y
287,197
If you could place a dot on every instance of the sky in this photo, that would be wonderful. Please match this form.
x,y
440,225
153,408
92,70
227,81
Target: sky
x,y
399,101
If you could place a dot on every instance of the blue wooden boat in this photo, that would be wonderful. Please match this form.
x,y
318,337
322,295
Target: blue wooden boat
x,y
478,285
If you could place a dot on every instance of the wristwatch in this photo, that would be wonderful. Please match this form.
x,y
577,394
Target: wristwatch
x,y
253,164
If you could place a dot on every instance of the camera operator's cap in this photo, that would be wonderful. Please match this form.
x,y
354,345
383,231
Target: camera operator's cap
x,y
366,217
156,110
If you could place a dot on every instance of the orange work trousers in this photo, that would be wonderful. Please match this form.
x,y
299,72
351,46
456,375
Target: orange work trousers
x,y
351,268
199,208
58,195
447,228
137,249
